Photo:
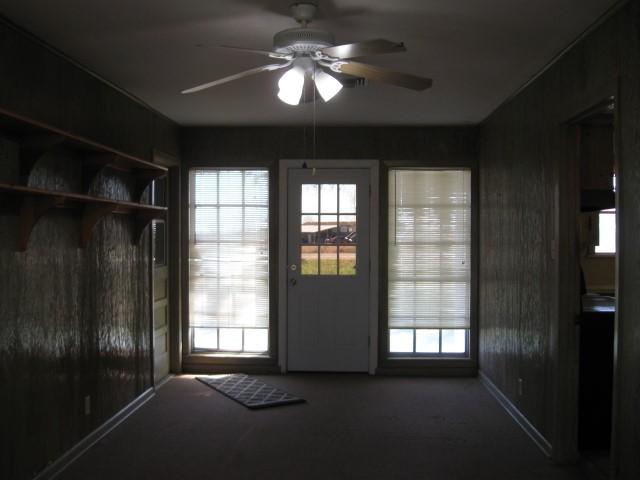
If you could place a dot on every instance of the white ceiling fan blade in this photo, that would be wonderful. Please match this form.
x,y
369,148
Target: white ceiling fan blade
x,y
230,78
284,56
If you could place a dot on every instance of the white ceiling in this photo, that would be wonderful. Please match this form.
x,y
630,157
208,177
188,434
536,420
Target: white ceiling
x,y
478,52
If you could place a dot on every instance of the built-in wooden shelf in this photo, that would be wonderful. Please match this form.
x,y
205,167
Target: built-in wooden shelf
x,y
32,203
36,139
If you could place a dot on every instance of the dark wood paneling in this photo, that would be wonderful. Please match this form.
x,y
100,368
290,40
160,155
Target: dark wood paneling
x,y
627,417
39,84
73,322
596,157
523,186
202,146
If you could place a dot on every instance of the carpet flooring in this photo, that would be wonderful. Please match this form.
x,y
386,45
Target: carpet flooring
x,y
352,427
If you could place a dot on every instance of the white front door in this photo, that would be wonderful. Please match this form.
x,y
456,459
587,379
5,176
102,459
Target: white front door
x,y
328,270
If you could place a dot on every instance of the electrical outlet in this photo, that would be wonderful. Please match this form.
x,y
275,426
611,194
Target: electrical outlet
x,y
87,405
520,386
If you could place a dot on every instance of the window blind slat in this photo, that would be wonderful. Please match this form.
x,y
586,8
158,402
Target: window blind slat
x,y
229,248
429,248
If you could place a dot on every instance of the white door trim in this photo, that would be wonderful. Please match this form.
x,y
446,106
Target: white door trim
x,y
374,211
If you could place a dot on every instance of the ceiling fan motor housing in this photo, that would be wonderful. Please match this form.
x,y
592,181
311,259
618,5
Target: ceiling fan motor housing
x,y
302,40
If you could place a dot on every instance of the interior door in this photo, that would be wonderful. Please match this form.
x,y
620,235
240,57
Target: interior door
x,y
160,286
328,270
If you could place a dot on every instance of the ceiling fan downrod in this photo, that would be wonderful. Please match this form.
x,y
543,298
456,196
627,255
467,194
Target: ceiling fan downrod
x,y
303,12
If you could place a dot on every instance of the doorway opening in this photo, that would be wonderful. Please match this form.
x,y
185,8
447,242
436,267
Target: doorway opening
x,y
597,262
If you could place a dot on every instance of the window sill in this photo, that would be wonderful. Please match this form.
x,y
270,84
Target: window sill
x,y
217,363
209,354
426,356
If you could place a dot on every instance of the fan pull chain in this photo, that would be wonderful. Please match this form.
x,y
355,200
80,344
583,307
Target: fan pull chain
x,y
304,141
314,111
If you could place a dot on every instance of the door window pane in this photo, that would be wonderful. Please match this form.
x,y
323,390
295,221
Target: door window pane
x,y
309,203
328,198
309,229
347,229
347,260
328,229
328,260
309,260
347,198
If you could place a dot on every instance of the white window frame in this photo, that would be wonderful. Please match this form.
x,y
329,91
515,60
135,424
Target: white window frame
x,y
192,350
470,335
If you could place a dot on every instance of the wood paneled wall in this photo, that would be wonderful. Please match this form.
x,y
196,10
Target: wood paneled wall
x,y
39,84
201,145
525,176
626,438
73,322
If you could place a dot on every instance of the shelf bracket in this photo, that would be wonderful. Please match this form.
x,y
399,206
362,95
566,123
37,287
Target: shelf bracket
x,y
143,178
93,164
33,148
144,218
91,215
32,209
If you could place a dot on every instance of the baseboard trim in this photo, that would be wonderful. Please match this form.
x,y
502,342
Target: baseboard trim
x,y
57,467
542,443
163,381
427,371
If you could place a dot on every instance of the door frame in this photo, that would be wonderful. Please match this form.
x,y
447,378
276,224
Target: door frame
x,y
565,248
173,226
374,213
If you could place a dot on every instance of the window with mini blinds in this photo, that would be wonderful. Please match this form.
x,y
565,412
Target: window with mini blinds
x,y
429,262
229,260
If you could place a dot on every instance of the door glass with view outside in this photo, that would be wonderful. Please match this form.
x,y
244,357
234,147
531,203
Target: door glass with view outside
x,y
328,229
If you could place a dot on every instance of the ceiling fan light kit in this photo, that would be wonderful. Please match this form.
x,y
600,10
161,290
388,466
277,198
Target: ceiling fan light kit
x,y
310,52
291,84
327,86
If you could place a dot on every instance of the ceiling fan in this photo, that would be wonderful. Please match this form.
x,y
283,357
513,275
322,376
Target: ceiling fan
x,y
311,54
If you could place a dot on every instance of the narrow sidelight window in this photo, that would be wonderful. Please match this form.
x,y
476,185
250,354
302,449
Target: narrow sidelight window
x,y
429,270
229,260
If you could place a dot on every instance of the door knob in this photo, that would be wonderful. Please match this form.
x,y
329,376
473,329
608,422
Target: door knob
x,y
293,267
293,281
